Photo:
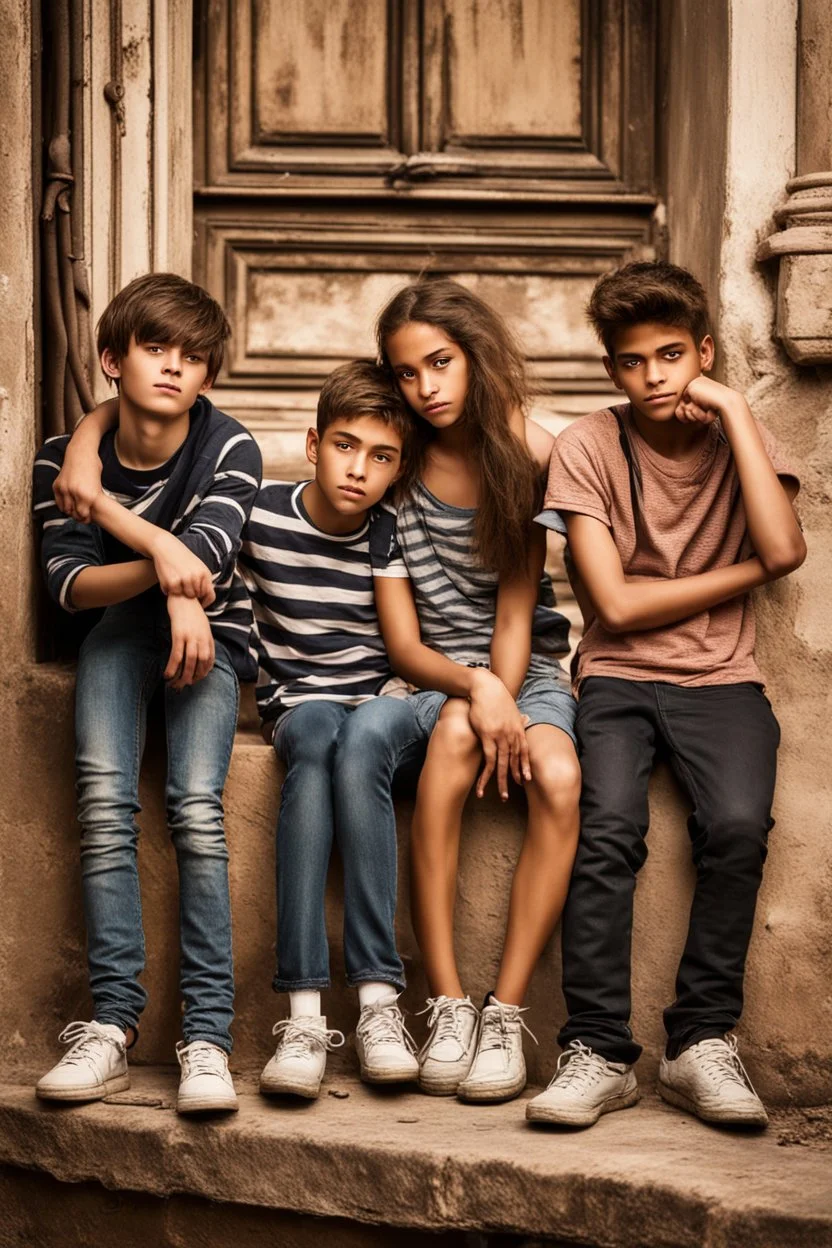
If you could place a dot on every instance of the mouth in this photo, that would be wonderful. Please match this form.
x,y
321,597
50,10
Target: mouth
x,y
167,387
435,408
660,398
350,491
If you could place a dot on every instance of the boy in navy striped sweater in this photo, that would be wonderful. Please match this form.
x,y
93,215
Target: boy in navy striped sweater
x,y
340,722
152,536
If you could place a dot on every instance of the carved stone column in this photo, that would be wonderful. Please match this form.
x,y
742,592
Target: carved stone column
x,y
804,243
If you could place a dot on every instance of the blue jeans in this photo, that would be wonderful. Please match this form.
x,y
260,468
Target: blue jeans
x,y
340,766
120,666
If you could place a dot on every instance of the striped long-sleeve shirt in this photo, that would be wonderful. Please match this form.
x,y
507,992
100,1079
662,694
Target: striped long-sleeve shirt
x,y
203,495
316,625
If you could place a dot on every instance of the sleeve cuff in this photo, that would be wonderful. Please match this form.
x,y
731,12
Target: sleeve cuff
x,y
552,520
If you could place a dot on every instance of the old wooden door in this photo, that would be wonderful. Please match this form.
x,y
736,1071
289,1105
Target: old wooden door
x,y
344,146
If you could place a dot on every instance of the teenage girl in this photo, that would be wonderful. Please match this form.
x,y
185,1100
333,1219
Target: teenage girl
x,y
457,590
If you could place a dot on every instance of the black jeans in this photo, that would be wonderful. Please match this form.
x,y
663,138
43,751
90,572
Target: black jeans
x,y
721,742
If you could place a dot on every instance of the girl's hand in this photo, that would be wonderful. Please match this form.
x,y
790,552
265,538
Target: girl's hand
x,y
502,730
78,484
179,571
192,643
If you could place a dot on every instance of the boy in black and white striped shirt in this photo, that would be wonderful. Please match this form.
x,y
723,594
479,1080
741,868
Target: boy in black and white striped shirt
x,y
341,723
154,540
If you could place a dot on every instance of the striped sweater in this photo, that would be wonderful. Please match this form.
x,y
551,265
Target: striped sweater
x,y
317,633
203,495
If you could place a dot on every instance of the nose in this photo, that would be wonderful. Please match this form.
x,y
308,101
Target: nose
x,y
358,466
427,385
654,372
173,362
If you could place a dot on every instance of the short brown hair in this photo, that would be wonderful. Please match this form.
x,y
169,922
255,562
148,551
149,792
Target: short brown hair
x,y
165,308
648,290
363,388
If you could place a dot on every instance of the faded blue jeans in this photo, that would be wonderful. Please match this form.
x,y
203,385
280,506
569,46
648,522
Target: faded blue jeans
x,y
340,766
120,666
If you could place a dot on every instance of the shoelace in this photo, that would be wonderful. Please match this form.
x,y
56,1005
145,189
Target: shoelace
x,y
446,1017
201,1058
580,1065
81,1036
383,1023
724,1063
298,1036
494,1034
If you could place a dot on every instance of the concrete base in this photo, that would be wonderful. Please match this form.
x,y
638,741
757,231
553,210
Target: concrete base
x,y
649,1177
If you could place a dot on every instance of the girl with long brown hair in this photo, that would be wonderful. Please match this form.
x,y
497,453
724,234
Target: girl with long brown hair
x,y
457,589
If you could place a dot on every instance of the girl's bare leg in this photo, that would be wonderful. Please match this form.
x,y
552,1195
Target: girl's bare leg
x,y
451,767
544,867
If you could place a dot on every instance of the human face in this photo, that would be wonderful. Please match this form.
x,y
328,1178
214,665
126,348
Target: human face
x,y
653,364
159,378
356,460
432,372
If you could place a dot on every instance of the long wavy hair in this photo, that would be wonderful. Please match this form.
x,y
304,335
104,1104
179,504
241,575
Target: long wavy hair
x,y
510,486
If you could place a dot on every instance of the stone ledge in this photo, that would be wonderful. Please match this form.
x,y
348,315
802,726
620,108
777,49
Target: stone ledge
x,y
646,1178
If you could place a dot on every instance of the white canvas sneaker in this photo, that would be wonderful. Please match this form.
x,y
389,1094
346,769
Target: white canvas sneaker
x,y
709,1080
447,1054
93,1067
386,1050
498,1071
205,1083
585,1086
299,1062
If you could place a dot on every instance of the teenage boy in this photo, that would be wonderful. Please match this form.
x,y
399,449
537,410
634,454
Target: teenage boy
x,y
177,481
341,724
677,504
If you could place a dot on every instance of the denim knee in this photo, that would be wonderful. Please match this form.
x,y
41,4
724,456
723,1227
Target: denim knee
x,y
195,822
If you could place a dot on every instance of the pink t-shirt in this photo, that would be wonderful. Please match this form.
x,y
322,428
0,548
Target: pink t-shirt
x,y
693,520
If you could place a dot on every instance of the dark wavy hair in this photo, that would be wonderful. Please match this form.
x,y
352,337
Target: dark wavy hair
x,y
510,487
647,290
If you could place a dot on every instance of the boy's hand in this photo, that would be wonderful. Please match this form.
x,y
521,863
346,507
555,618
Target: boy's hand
x,y
192,643
180,571
78,484
502,730
703,400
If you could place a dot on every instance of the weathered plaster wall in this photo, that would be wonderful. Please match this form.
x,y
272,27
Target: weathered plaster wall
x,y
744,122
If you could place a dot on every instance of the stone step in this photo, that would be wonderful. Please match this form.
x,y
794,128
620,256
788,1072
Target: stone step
x,y
650,1177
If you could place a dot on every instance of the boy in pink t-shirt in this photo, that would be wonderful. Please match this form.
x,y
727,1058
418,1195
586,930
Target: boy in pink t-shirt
x,y
676,504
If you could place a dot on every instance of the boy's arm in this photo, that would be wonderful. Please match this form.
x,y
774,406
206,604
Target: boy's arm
x,y
494,714
511,641
177,569
626,605
214,530
113,583
772,524
78,484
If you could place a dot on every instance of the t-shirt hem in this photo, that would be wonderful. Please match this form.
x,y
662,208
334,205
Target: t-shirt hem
x,y
561,505
705,680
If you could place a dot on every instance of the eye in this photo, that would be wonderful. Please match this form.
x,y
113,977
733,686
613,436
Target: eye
x,y
442,362
630,363
194,359
382,458
406,374
672,355
344,446
153,348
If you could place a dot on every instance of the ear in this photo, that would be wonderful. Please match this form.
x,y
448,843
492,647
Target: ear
x,y
207,384
110,365
312,444
707,351
612,372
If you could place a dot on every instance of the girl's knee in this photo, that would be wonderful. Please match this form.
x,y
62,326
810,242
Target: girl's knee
x,y
453,738
556,773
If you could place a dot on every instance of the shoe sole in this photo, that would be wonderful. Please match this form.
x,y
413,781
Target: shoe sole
x,y
92,1092
389,1076
439,1088
495,1093
285,1087
680,1101
206,1105
562,1118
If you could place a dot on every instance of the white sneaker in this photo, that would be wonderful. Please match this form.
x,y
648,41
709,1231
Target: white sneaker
x,y
205,1083
585,1086
498,1071
709,1080
447,1054
384,1045
299,1062
95,1066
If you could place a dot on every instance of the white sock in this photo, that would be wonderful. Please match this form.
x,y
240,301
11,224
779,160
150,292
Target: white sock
x,y
373,991
306,1004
